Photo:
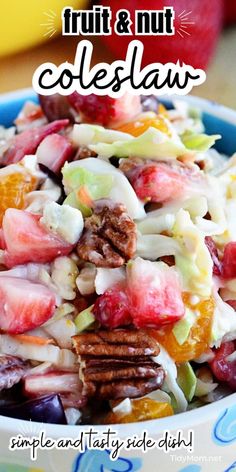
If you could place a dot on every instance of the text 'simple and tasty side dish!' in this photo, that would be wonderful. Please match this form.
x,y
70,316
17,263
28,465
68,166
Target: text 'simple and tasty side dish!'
x,y
118,262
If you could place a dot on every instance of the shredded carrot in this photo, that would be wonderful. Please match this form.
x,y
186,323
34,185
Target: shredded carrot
x,y
26,338
84,196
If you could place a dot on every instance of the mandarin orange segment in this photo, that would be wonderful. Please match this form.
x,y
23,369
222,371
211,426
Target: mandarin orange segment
x,y
163,110
13,188
199,336
136,128
142,410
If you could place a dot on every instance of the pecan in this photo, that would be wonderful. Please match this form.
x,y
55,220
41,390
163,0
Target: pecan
x,y
84,152
124,369
119,343
131,388
109,237
118,364
128,164
12,370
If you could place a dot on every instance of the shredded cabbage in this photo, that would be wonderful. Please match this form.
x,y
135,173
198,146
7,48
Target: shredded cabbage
x,y
153,246
186,243
98,185
194,260
199,142
85,134
156,224
106,278
182,328
169,366
203,388
121,191
153,144
185,118
224,320
44,353
187,380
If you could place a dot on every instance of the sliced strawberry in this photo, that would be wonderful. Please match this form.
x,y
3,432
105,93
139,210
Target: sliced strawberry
x,y
54,151
27,240
27,142
222,366
112,308
105,110
152,298
211,246
229,261
154,294
24,305
157,183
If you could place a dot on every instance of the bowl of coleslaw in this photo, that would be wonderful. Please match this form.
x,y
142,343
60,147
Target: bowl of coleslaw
x,y
117,284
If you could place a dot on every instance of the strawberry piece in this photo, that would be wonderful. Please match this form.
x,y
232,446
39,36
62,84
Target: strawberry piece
x,y
223,368
154,294
151,299
54,151
201,19
214,255
105,110
229,261
27,240
24,305
112,308
157,182
27,142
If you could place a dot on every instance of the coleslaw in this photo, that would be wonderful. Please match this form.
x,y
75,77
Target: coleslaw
x,y
118,262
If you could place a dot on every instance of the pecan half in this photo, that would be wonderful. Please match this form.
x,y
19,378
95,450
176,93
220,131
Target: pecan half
x,y
12,369
118,364
109,237
119,343
130,388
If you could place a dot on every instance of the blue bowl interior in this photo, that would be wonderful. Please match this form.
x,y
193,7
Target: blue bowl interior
x,y
213,124
9,110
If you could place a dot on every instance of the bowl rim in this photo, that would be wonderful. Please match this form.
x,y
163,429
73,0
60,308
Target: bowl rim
x,y
208,106
189,419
